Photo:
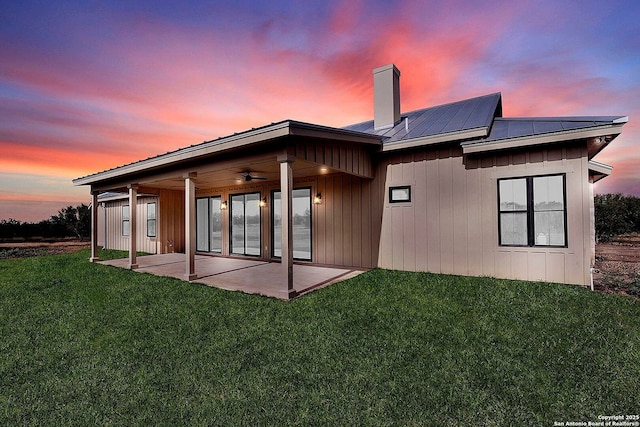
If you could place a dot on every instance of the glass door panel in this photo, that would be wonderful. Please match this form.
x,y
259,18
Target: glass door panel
x,y
208,225
245,224
301,224
202,224
215,225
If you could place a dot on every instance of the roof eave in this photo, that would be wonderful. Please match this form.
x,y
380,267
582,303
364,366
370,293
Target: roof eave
x,y
611,130
232,142
436,139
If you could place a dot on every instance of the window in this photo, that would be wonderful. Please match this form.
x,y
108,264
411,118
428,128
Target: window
x,y
301,223
125,221
400,194
532,211
209,224
151,220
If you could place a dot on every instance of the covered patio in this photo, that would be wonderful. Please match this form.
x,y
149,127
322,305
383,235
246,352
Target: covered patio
x,y
238,274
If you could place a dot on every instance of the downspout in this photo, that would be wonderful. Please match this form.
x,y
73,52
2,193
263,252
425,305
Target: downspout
x,y
591,270
104,207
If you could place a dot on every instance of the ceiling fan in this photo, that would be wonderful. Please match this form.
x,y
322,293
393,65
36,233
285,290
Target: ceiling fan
x,y
247,177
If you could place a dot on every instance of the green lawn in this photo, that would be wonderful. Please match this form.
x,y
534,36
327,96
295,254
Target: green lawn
x,y
88,344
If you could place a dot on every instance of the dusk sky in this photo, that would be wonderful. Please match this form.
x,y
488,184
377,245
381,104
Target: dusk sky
x,y
89,85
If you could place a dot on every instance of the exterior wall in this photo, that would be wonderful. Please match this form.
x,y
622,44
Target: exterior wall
x,y
346,225
451,224
343,225
113,224
171,230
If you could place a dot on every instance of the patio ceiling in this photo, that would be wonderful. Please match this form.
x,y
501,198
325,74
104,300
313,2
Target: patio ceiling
x,y
312,157
220,161
228,174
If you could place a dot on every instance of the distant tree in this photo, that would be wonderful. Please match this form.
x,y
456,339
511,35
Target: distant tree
x,y
10,228
616,214
76,220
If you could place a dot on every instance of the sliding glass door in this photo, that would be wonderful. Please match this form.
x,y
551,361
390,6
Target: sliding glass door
x,y
208,225
301,224
245,224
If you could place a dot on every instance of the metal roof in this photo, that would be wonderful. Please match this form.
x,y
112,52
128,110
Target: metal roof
x,y
452,118
476,123
506,128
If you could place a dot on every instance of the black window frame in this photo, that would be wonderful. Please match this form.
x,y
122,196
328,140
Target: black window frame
x,y
152,220
530,211
399,187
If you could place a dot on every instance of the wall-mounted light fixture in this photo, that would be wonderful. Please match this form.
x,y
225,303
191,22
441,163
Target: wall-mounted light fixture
x,y
223,205
263,202
317,199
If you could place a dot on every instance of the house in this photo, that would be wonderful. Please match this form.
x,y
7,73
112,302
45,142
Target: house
x,y
453,188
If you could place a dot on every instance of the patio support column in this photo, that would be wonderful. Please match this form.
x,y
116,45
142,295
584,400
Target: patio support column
x,y
94,227
286,199
133,226
190,225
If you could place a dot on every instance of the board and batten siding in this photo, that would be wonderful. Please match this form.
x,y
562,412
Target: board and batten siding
x,y
113,217
451,224
346,224
171,232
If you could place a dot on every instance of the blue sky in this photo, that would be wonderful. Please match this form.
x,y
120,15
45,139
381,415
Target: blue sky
x,y
86,86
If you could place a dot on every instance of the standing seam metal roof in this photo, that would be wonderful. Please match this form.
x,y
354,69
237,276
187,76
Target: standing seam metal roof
x,y
447,123
457,116
506,128
483,112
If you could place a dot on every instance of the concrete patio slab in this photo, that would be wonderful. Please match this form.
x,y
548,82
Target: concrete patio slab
x,y
239,274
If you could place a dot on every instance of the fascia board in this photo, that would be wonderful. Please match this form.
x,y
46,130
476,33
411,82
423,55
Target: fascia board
x,y
436,139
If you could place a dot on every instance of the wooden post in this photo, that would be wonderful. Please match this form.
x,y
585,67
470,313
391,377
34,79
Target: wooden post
x,y
190,225
133,227
286,199
94,227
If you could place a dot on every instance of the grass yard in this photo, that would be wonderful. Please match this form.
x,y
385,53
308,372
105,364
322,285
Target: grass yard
x,y
89,344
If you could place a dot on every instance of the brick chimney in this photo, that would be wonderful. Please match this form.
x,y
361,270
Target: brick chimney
x,y
386,96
